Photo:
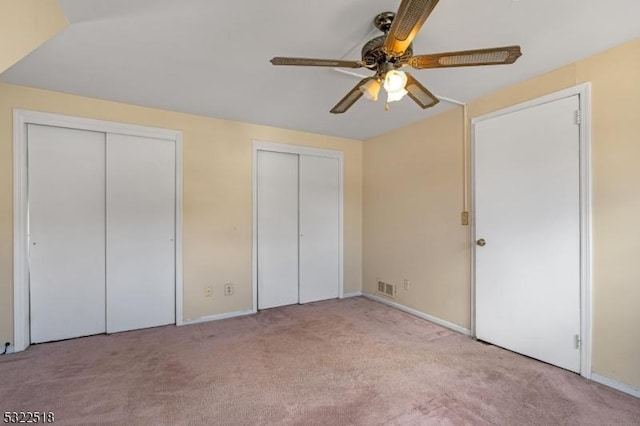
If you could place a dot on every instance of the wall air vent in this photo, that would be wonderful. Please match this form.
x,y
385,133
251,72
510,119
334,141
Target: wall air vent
x,y
387,289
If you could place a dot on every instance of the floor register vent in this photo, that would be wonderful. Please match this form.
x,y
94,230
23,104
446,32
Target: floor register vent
x,y
387,289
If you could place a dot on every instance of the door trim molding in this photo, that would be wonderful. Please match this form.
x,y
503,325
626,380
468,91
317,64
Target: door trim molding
x,y
584,94
21,325
299,150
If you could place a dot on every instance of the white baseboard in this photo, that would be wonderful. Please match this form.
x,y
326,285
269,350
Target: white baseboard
x,y
419,314
217,317
240,313
622,387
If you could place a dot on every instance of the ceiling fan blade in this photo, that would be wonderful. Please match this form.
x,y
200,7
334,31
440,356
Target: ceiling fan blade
x,y
468,58
351,98
311,62
419,93
408,21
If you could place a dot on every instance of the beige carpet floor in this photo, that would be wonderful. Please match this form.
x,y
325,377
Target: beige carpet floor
x,y
340,362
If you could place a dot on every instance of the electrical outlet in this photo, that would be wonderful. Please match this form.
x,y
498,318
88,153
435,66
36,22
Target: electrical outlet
x,y
228,289
208,291
406,284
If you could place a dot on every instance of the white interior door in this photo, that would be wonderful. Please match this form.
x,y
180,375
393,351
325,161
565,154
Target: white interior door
x,y
66,181
528,211
140,194
277,239
319,228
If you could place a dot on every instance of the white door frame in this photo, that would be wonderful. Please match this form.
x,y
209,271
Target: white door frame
x,y
299,150
21,325
584,93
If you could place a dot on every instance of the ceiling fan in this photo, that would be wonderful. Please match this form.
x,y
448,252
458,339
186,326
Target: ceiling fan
x,y
388,53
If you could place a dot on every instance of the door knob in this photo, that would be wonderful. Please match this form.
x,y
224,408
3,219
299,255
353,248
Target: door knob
x,y
481,242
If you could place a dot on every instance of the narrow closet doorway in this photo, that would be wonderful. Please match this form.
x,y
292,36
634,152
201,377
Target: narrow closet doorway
x,y
298,221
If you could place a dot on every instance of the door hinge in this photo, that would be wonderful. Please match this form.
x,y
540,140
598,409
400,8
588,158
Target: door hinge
x,y
578,341
578,116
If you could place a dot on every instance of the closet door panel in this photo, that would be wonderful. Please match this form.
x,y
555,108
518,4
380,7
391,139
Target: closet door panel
x,y
140,232
277,195
319,228
66,181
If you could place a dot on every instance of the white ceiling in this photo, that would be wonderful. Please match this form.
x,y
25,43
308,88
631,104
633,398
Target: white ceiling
x,y
211,57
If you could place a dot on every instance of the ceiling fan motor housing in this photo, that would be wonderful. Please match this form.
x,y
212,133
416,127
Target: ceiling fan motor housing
x,y
373,54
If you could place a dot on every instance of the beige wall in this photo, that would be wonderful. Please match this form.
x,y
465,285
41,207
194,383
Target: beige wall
x,y
25,25
413,198
616,205
216,199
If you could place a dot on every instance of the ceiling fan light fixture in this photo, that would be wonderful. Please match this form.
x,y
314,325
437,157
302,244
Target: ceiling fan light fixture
x,y
371,89
396,96
394,83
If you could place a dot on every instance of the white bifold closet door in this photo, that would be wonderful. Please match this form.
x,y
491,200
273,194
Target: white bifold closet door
x,y
140,232
319,228
66,179
298,228
277,229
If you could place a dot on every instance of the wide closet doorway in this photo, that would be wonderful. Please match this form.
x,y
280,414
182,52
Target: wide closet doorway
x,y
101,231
298,220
